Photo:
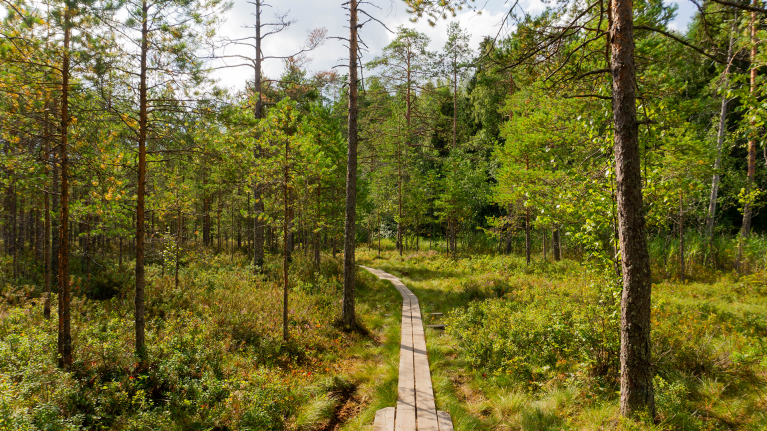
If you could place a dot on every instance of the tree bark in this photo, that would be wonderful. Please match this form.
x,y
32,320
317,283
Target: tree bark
x,y
47,215
349,319
258,203
555,245
719,144
317,226
286,245
636,367
681,239
65,334
455,101
745,231
141,193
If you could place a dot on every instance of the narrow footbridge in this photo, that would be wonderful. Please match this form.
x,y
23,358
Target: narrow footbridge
x,y
416,410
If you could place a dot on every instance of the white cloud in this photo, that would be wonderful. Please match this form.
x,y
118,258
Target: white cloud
x,y
329,14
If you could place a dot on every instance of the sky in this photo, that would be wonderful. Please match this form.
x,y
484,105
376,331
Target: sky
x,y
310,14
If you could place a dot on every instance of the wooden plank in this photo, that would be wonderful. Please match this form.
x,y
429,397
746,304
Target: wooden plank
x,y
415,403
442,327
405,420
406,413
426,410
445,421
384,420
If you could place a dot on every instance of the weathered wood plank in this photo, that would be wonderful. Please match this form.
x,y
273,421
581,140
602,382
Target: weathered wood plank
x,y
445,421
405,420
406,413
384,420
416,408
426,410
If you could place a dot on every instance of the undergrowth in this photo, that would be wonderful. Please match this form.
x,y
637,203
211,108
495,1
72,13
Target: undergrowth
x,y
215,349
537,347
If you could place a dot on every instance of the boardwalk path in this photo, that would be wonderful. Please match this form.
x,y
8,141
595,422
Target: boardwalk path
x,y
415,402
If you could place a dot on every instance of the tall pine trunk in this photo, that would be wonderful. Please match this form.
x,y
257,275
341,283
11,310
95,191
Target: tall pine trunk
x,y
349,319
47,215
141,193
636,394
258,203
65,334
286,244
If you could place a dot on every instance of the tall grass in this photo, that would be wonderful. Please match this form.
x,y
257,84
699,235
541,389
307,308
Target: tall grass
x,y
705,256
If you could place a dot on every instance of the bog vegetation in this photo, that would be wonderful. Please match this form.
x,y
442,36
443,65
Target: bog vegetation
x,y
581,195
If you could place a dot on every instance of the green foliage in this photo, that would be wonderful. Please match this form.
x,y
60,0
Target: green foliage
x,y
536,347
216,354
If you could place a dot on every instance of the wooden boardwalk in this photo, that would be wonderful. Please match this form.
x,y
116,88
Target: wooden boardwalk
x,y
416,410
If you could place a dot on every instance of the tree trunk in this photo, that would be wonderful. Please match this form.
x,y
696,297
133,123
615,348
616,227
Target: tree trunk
x,y
555,245
349,319
400,233
218,223
65,334
178,242
286,245
207,238
719,144
317,226
636,367
528,241
56,217
455,101
141,193
258,203
47,215
745,231
681,239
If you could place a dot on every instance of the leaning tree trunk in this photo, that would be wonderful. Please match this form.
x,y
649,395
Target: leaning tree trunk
x,y
636,395
349,318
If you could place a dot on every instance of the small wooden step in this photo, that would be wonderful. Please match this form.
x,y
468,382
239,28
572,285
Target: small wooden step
x,y
438,327
385,420
445,421
435,314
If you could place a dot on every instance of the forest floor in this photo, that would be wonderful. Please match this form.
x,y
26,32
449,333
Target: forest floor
x,y
216,357
526,347
536,347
